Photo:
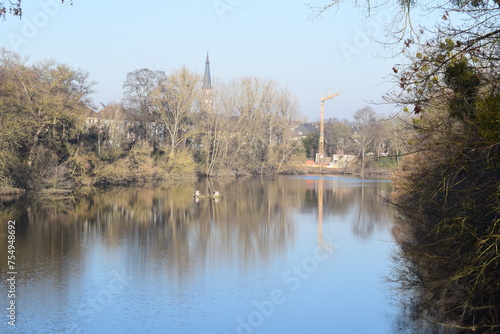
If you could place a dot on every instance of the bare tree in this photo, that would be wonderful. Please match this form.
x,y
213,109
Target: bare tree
x,y
215,130
174,100
138,88
248,130
365,119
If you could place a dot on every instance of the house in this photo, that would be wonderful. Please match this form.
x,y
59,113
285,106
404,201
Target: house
x,y
115,122
303,130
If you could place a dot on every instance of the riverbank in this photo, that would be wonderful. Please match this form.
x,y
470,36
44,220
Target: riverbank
x,y
383,166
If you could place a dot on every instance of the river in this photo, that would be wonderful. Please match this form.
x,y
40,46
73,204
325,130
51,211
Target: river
x,y
288,254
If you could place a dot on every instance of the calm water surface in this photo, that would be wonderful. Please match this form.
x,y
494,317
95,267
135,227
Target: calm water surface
x,y
303,254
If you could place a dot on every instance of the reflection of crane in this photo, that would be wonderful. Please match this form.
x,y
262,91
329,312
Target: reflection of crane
x,y
320,212
321,147
321,243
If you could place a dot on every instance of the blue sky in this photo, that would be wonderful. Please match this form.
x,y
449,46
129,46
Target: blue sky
x,y
268,39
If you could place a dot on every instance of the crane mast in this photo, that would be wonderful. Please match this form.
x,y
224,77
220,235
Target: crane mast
x,y
321,146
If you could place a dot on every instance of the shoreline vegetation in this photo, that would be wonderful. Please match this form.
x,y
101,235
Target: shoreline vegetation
x,y
7,192
167,127
447,193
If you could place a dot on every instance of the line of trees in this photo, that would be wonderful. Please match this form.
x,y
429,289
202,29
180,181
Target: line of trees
x,y
245,129
368,135
163,129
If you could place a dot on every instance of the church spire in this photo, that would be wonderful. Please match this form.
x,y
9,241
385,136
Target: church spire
x,y
207,80
207,87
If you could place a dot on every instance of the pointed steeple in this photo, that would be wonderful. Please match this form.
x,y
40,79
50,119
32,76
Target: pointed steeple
x,y
207,80
207,87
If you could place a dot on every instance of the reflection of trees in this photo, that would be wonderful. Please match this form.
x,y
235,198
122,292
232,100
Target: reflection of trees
x,y
447,271
424,308
159,229
373,208
343,197
166,231
418,317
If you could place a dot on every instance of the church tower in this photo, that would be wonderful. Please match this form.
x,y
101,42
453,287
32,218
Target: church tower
x,y
207,88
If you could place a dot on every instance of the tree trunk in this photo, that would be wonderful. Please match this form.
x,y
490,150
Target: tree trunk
x,y
31,155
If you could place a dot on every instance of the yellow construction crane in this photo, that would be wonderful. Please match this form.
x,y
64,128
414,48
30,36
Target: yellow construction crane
x,y
321,147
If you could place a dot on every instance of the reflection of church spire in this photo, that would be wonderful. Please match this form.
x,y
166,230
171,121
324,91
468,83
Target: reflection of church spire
x,y
207,87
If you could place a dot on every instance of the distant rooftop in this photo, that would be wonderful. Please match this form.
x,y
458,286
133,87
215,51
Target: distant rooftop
x,y
304,129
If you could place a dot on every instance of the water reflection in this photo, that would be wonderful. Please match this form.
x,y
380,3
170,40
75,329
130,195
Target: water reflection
x,y
339,195
160,225
439,287
163,244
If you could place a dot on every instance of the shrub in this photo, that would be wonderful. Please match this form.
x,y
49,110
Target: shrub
x,y
117,173
447,197
181,165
